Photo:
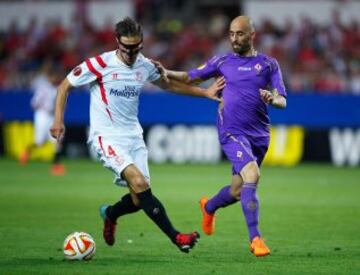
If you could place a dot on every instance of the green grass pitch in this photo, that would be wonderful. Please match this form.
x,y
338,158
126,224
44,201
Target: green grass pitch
x,y
310,217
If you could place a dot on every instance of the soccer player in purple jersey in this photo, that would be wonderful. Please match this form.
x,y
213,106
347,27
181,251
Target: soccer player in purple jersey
x,y
253,81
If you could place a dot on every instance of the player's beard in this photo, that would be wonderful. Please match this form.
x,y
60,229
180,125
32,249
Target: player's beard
x,y
241,49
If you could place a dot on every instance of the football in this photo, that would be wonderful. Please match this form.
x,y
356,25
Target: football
x,y
79,246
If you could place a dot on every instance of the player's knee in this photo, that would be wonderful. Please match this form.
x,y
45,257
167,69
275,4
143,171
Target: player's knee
x,y
139,184
253,177
251,174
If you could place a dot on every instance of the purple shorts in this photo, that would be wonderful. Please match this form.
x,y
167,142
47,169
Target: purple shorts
x,y
240,150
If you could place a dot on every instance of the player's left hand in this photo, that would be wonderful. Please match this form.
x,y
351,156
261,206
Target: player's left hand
x,y
161,69
266,96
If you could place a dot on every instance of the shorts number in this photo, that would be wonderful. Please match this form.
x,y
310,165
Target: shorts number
x,y
111,151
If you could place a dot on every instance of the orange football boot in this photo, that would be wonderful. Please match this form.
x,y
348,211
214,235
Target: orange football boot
x,y
259,248
208,221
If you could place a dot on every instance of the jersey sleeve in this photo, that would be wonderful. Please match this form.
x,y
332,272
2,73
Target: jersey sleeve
x,y
276,79
154,73
81,75
206,70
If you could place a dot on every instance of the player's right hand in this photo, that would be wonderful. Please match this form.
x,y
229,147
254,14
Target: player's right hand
x,y
57,130
266,96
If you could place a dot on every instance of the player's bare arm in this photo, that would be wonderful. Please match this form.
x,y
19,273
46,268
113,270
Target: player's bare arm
x,y
183,88
175,75
57,129
273,98
180,76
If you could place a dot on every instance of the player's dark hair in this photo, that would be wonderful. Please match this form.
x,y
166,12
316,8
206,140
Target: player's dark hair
x,y
128,27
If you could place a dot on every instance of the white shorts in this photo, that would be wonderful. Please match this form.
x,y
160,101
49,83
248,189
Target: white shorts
x,y
42,124
118,153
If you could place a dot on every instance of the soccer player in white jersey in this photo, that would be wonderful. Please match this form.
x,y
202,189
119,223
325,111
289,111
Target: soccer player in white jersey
x,y
115,79
42,102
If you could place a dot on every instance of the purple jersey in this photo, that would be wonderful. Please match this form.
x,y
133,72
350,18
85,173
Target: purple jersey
x,y
243,111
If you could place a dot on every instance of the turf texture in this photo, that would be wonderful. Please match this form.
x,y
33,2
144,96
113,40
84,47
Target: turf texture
x,y
309,215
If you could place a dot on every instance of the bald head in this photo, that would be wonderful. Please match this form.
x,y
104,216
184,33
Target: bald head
x,y
243,22
242,34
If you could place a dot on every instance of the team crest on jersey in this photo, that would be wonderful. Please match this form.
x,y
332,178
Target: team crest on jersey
x,y
138,76
257,67
115,76
77,71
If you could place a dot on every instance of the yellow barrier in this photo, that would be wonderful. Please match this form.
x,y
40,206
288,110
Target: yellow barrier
x,y
286,146
19,135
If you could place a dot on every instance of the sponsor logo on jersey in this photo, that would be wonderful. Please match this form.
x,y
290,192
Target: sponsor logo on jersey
x,y
127,92
77,71
246,69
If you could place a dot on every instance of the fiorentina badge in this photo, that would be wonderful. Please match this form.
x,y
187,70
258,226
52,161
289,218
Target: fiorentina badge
x,y
257,67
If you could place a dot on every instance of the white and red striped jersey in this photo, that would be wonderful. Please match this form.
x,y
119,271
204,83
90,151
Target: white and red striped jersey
x,y
114,92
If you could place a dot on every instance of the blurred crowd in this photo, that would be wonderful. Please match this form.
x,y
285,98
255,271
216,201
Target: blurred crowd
x,y
314,58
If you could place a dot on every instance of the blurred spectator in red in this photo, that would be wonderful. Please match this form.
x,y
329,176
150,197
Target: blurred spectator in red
x,y
315,58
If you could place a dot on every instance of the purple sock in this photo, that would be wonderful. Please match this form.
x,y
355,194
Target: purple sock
x,y
221,199
250,206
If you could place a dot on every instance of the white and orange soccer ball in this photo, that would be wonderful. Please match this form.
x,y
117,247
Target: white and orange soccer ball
x,y
79,246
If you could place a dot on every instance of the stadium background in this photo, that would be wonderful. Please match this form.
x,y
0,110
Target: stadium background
x,y
317,46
